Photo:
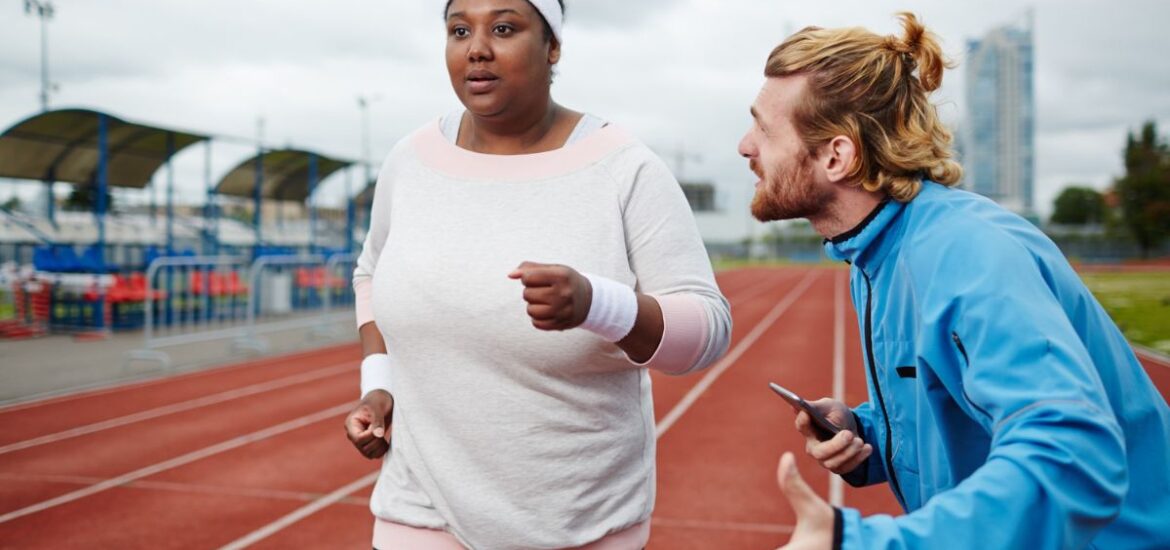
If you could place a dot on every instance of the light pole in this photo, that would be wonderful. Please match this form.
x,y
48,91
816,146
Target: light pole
x,y
44,9
364,102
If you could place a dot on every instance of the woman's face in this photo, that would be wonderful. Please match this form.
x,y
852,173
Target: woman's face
x,y
497,55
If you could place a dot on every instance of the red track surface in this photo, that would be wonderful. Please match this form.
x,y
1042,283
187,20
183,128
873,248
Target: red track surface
x,y
255,451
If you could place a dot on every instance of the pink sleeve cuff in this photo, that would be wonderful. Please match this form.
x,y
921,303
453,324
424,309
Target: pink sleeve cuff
x,y
362,304
685,334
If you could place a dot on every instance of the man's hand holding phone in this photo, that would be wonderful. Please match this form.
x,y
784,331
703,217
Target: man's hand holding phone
x,y
842,453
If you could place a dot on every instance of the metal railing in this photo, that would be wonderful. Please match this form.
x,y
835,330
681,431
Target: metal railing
x,y
338,292
189,300
202,299
24,303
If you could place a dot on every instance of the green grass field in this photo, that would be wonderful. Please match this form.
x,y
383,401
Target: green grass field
x,y
1138,302
726,264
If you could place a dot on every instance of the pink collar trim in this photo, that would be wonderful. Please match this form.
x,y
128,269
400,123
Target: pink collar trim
x,y
449,159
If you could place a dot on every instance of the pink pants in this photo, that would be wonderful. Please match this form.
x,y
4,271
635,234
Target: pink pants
x,y
396,536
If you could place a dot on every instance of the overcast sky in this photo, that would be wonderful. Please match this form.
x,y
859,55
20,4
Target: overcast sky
x,y
679,73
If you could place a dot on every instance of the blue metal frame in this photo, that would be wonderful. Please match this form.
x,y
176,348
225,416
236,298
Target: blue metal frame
x,y
350,210
210,210
309,203
100,203
170,249
170,194
50,203
259,181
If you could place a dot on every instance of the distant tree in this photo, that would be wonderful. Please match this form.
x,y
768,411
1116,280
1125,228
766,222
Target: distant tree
x,y
1113,224
13,203
84,198
1144,191
1078,206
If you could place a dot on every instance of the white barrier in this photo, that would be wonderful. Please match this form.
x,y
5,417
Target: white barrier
x,y
204,299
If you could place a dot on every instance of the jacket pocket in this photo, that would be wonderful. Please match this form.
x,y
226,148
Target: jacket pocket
x,y
902,396
962,349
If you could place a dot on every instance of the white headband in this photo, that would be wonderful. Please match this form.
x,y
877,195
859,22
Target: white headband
x,y
552,13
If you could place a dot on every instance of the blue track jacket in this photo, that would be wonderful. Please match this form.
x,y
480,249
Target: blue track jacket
x,y
1006,410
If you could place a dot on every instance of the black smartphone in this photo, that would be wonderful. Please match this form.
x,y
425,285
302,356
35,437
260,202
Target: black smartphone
x,y
824,429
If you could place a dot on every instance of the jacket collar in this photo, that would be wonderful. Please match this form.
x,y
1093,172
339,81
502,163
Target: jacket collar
x,y
862,245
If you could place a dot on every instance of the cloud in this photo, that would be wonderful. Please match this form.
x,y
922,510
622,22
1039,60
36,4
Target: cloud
x,y
615,14
678,73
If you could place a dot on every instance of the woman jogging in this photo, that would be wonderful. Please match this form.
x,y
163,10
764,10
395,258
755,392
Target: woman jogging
x,y
526,265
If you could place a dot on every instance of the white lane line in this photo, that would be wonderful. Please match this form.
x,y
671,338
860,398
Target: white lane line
x,y
836,486
324,502
340,494
124,385
175,487
1151,356
188,458
173,408
752,291
722,525
301,513
730,359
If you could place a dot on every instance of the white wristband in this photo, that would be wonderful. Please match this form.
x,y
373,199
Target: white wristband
x,y
613,311
376,373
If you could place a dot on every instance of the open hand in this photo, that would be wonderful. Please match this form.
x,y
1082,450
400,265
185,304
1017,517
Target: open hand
x,y
814,516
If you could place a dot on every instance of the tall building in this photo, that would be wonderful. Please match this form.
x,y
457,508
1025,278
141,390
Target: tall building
x,y
998,142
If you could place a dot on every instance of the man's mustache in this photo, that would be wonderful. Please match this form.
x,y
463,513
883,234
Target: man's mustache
x,y
755,168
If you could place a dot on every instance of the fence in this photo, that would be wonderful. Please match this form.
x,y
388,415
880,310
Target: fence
x,y
35,303
24,303
79,302
191,300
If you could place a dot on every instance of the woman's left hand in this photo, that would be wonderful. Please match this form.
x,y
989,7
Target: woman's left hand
x,y
558,296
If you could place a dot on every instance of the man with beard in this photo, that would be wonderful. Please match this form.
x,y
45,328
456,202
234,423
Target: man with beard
x,y
1006,410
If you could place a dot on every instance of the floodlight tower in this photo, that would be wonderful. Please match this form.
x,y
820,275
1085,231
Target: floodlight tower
x,y
43,9
364,102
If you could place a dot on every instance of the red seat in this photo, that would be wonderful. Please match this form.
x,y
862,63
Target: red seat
x,y
91,293
302,278
120,291
236,288
197,282
216,284
141,289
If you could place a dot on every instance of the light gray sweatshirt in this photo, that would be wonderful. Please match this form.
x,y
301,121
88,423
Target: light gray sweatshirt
x,y
504,435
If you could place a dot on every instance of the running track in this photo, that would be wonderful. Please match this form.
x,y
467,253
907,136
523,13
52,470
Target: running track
x,y
253,455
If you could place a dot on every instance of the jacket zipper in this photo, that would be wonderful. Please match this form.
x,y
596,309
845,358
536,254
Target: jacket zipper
x,y
877,386
963,350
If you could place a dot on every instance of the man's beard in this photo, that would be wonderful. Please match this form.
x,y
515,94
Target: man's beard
x,y
788,194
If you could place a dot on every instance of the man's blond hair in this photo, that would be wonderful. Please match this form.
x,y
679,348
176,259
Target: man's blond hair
x,y
874,90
